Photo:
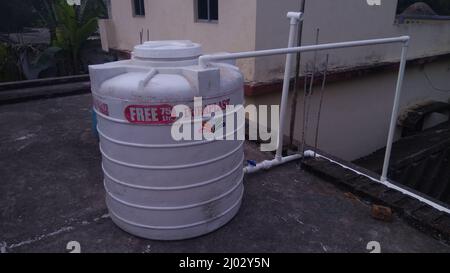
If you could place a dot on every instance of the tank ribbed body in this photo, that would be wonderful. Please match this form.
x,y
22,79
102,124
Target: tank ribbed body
x,y
157,187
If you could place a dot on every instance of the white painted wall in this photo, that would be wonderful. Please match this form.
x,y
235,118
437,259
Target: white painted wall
x,y
341,21
272,31
175,19
355,113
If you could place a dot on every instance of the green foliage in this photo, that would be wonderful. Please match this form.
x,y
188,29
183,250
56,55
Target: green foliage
x,y
47,16
24,61
74,26
441,7
69,26
40,62
9,67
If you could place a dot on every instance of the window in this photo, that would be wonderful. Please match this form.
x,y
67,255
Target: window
x,y
424,7
207,10
138,8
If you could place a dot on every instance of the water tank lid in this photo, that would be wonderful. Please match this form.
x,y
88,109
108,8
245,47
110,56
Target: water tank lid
x,y
171,49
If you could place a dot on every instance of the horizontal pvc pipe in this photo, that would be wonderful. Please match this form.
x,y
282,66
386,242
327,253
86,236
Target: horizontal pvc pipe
x,y
310,153
206,59
267,164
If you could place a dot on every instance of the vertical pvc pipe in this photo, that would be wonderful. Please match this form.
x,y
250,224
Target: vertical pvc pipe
x,y
295,18
398,91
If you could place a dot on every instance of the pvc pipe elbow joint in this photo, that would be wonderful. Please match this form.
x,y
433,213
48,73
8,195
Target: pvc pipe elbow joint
x,y
295,16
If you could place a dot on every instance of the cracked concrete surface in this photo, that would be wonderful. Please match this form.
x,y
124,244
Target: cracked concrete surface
x,y
51,193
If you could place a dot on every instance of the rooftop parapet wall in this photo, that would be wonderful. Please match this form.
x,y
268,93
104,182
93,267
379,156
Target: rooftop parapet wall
x,y
340,21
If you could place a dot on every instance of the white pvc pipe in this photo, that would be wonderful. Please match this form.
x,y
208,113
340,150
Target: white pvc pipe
x,y
386,183
295,18
394,114
267,164
206,59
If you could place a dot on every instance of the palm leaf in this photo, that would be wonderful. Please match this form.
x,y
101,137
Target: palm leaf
x,y
85,31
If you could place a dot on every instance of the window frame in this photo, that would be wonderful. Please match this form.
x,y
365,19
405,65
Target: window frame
x,y
133,6
209,20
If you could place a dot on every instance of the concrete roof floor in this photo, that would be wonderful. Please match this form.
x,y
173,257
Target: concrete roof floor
x,y
51,192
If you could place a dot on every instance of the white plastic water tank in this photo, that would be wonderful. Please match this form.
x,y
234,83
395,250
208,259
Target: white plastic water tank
x,y
157,187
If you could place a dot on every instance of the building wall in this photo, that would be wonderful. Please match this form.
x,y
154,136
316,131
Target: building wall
x,y
262,24
356,113
339,21
272,31
357,21
175,19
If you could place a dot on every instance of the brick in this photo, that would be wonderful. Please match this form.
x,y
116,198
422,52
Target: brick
x,y
391,197
426,214
443,224
409,204
382,213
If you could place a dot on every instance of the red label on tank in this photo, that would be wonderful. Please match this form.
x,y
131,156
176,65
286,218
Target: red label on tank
x,y
101,107
149,114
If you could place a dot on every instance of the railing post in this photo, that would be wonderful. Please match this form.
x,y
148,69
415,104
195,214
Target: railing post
x,y
394,114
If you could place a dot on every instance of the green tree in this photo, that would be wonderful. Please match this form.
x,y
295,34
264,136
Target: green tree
x,y
9,69
47,11
47,15
70,27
